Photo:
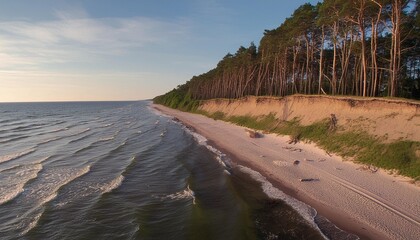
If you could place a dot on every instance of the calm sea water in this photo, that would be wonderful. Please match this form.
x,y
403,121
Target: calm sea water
x,y
119,170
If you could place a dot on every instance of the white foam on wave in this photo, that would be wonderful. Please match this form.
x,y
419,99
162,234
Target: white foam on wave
x,y
43,159
307,212
108,125
47,189
184,194
32,223
14,156
110,137
50,140
31,218
104,139
20,165
48,199
200,139
78,133
59,130
14,179
114,184
9,194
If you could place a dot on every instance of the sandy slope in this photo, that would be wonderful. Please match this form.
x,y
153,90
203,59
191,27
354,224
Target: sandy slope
x,y
372,205
388,119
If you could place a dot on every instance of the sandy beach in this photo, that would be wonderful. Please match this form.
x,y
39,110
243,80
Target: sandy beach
x,y
370,205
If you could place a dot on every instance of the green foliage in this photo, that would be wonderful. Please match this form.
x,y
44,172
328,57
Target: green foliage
x,y
217,115
400,155
178,98
262,123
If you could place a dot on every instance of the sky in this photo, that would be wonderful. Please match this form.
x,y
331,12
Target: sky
x,y
107,50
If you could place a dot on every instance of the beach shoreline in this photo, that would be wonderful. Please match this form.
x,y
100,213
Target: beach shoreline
x,y
371,206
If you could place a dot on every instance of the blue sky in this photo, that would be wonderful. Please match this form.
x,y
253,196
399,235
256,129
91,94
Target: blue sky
x,y
86,50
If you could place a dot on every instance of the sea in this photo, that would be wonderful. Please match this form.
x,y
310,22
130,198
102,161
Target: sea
x,y
122,170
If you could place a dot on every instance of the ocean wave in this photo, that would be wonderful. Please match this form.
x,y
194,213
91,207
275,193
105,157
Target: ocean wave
x,y
78,133
8,140
17,155
118,147
30,219
58,122
6,120
49,140
43,159
11,123
106,125
59,130
307,212
184,194
33,222
90,146
200,139
10,135
130,165
104,139
12,184
110,137
28,127
22,165
86,188
114,184
7,196
48,186
80,138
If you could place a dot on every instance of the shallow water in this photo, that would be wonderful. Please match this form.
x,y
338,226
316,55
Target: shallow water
x,y
119,170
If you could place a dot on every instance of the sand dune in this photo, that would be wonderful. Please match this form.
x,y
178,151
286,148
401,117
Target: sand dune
x,y
388,119
371,205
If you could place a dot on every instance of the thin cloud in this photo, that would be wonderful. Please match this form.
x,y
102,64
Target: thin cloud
x,y
72,38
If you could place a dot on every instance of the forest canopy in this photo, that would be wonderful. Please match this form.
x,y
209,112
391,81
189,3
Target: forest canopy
x,y
367,48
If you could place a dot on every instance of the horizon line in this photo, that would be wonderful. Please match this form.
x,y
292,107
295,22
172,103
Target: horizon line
x,y
78,101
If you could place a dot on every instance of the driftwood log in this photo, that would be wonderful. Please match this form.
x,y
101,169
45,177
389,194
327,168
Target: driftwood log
x,y
333,122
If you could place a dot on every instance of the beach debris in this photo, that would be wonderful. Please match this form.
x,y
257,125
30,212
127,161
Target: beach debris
x,y
294,138
292,149
189,127
322,160
253,134
369,168
328,153
281,163
163,133
308,160
262,156
296,162
339,169
157,122
308,179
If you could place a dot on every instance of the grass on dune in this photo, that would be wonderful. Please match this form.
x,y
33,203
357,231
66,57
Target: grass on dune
x,y
360,146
